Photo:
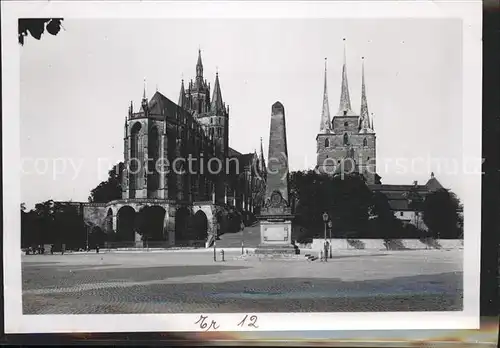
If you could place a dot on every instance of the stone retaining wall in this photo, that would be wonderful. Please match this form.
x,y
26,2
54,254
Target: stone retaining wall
x,y
380,244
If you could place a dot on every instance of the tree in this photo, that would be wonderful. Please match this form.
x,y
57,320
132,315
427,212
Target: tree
x,y
110,189
52,223
37,26
346,199
441,214
382,220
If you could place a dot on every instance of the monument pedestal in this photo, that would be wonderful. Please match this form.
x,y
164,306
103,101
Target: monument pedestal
x,y
275,236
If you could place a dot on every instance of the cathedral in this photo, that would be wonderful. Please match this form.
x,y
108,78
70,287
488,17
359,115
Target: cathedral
x,y
181,182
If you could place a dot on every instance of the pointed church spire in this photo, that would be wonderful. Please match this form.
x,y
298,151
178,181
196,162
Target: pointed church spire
x,y
144,103
217,103
182,95
364,115
199,66
325,113
345,100
262,164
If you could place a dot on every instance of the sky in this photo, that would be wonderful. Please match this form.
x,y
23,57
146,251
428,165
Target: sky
x,y
76,88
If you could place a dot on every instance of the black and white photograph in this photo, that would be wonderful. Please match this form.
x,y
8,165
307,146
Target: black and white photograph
x,y
176,161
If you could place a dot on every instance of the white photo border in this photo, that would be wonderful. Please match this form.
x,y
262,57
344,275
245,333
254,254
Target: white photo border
x,y
469,11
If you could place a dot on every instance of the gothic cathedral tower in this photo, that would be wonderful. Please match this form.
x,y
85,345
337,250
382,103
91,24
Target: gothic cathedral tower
x,y
348,142
211,113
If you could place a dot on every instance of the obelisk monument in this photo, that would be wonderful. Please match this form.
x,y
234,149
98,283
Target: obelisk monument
x,y
276,216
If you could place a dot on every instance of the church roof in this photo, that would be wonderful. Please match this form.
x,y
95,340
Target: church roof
x,y
232,152
433,184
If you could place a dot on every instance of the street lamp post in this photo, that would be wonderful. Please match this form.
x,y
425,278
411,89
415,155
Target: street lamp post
x,y
330,225
87,242
215,241
325,220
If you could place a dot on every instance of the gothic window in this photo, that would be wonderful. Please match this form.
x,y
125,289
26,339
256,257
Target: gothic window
x,y
199,107
211,120
327,143
346,139
401,213
346,123
345,112
134,156
368,158
365,142
153,156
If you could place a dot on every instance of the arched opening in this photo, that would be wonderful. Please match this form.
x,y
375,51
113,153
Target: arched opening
x,y
327,142
200,225
126,224
346,139
153,156
365,142
182,216
346,124
134,167
150,223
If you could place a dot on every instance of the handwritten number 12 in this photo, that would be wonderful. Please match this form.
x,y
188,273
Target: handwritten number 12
x,y
252,321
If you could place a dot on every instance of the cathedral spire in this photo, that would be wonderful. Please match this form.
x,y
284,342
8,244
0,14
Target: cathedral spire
x,y
262,164
144,103
345,100
199,66
182,95
364,115
144,90
325,113
217,103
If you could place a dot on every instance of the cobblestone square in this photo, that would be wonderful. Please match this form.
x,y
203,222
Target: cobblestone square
x,y
191,282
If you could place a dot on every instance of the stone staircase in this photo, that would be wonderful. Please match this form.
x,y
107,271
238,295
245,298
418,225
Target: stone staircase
x,y
311,257
250,237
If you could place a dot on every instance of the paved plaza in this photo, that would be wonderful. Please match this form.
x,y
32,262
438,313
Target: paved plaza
x,y
190,281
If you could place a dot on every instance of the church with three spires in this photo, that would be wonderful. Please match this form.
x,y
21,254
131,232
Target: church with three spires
x,y
347,141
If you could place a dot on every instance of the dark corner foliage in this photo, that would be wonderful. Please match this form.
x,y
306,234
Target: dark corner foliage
x,y
37,26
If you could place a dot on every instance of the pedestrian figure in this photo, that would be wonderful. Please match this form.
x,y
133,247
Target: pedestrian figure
x,y
97,248
326,251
